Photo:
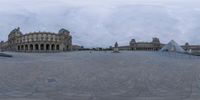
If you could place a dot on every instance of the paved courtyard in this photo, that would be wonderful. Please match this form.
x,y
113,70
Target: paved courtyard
x,y
100,76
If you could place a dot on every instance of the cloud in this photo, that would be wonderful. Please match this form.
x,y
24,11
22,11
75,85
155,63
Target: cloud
x,y
102,22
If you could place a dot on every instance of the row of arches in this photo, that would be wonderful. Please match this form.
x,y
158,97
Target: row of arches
x,y
145,49
38,47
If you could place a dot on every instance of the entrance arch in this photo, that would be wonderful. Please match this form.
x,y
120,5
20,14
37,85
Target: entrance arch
x,y
22,47
36,47
57,47
52,47
26,47
41,46
47,47
31,46
18,48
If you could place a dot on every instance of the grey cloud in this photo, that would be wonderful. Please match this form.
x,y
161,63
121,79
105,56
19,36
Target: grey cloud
x,y
97,23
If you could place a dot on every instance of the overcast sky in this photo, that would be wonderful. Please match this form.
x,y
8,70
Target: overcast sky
x,y
96,23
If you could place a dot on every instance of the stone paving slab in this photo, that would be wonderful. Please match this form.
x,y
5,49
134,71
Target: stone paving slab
x,y
100,76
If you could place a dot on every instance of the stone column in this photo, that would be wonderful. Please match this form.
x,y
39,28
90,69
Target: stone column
x,y
25,48
39,47
22,48
33,47
28,48
49,47
45,49
16,48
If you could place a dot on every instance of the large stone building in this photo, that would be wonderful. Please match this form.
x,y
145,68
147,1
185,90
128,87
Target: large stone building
x,y
150,46
188,47
77,47
38,41
154,45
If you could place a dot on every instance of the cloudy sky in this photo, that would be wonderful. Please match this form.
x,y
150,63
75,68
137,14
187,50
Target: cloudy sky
x,y
102,22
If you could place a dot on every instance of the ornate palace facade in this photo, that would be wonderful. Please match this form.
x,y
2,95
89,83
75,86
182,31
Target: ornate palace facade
x,y
38,41
155,45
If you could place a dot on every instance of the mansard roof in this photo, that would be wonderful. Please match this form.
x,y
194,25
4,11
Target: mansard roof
x,y
63,31
16,31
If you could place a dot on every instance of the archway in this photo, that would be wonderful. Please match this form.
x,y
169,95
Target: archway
x,y
18,48
22,47
52,47
26,47
67,47
31,47
57,47
41,46
36,47
47,47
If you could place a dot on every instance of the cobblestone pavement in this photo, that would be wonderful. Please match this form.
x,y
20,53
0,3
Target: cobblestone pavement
x,y
100,76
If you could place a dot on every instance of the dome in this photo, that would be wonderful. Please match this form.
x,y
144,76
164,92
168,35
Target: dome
x,y
156,40
63,31
133,41
187,44
15,32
